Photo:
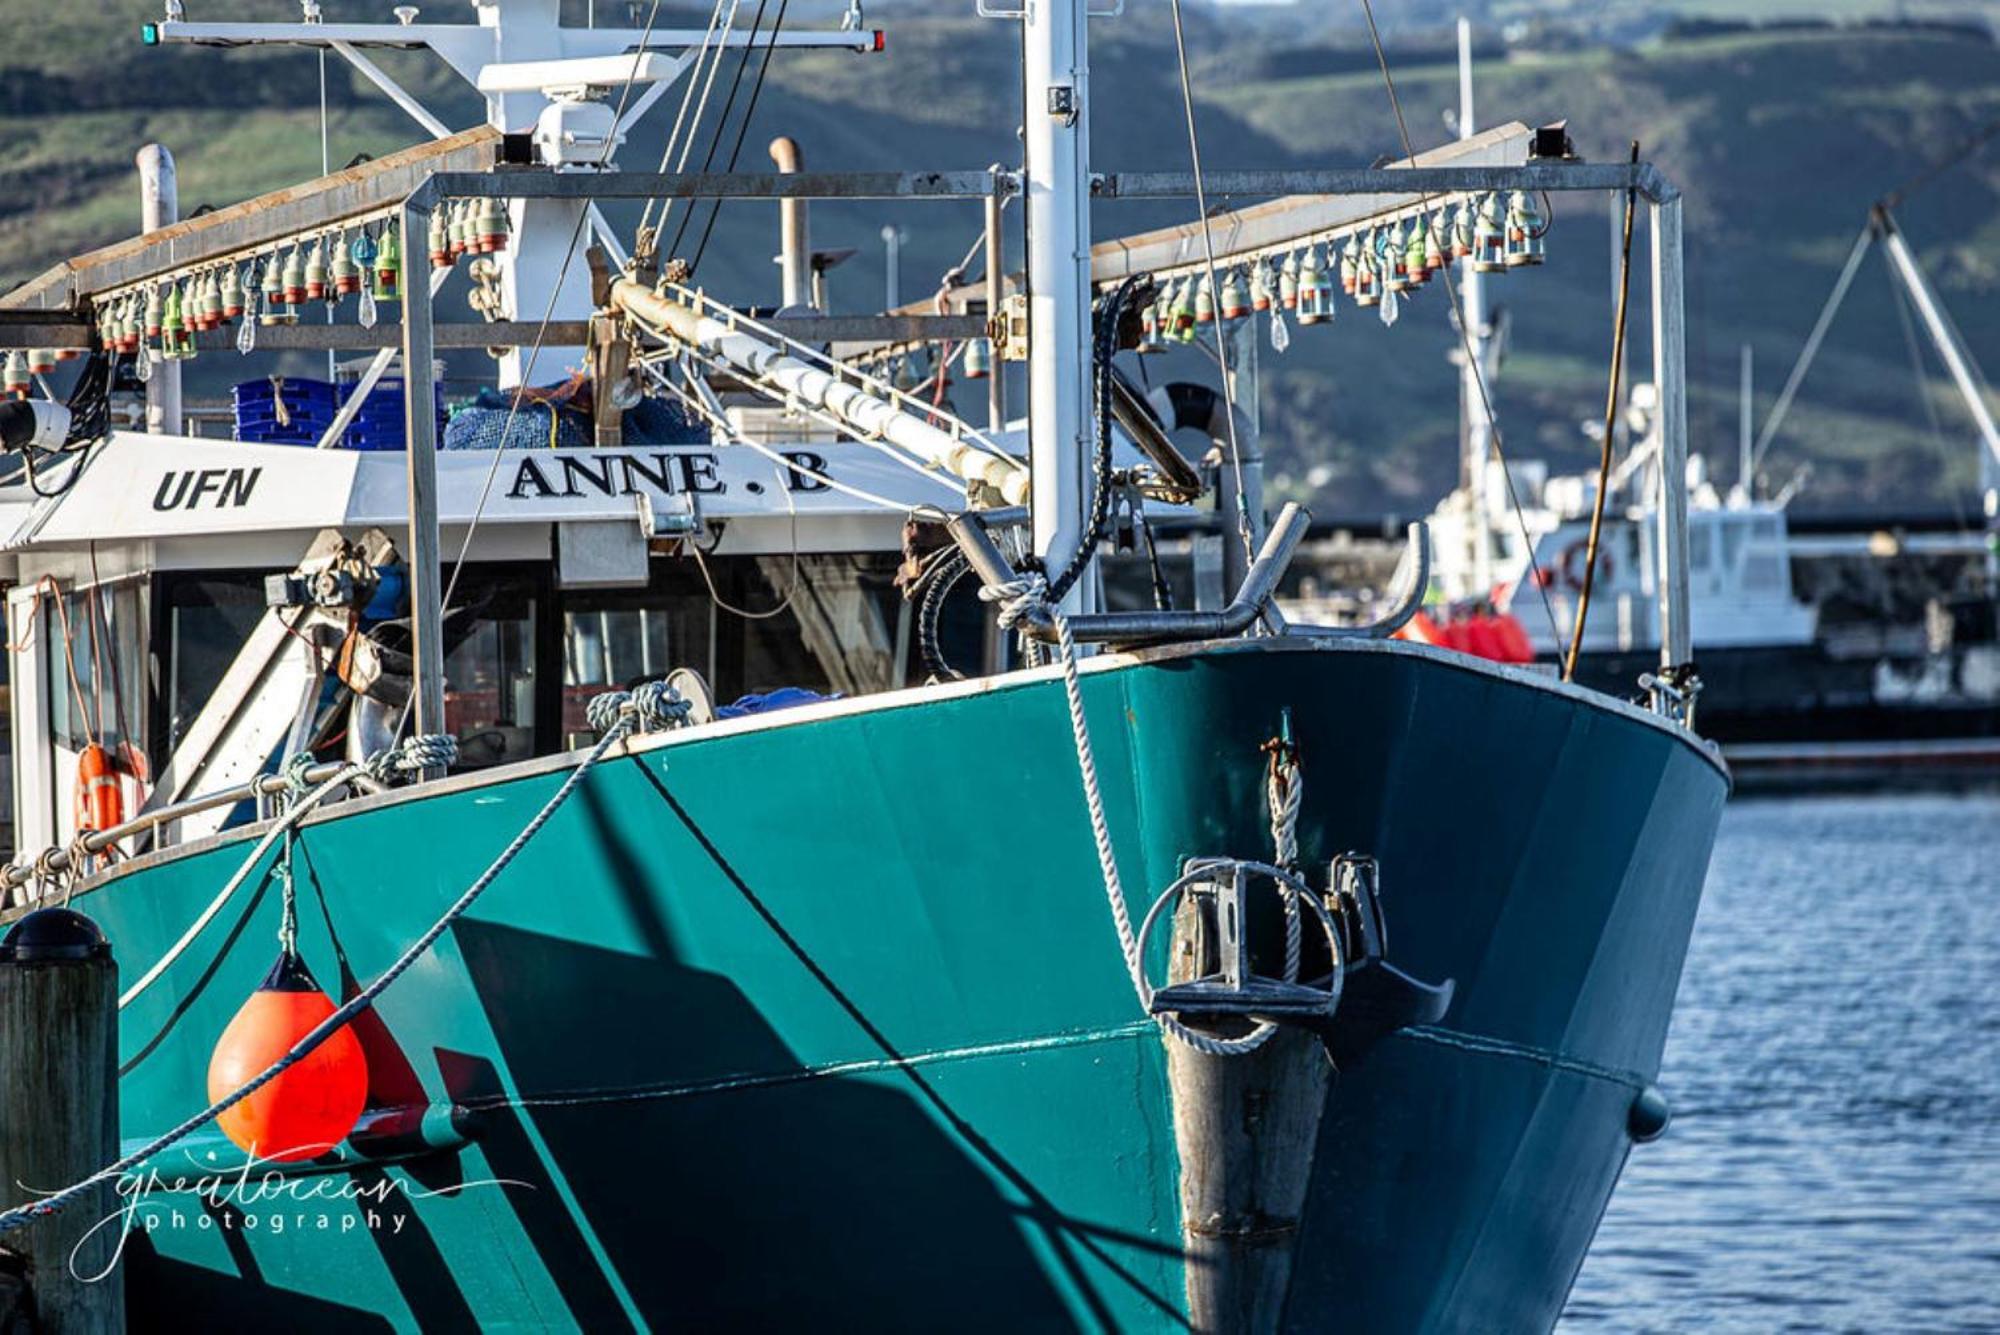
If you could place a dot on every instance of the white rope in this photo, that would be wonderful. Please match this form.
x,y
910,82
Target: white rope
x,y
279,828
1017,598
26,1214
1285,791
413,756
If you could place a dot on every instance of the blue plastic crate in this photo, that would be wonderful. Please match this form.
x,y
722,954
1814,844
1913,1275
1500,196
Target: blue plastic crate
x,y
300,393
271,418
309,407
273,434
379,424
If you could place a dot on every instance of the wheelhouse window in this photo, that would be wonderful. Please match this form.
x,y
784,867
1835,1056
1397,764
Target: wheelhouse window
x,y
91,651
831,624
524,657
205,620
489,674
93,642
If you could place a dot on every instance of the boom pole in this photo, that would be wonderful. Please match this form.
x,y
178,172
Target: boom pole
x,y
1964,371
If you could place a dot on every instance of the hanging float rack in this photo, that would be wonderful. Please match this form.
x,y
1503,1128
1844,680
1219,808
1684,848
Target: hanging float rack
x,y
62,307
1367,193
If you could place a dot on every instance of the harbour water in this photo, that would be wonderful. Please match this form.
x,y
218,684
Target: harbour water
x,y
1834,1065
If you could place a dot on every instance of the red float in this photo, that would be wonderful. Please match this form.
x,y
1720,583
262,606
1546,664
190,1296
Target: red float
x,y
310,1107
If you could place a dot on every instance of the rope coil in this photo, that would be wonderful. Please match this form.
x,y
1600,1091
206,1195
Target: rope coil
x,y
413,755
651,706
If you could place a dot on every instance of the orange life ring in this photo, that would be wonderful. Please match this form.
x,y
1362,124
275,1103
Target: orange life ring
x,y
1570,564
100,801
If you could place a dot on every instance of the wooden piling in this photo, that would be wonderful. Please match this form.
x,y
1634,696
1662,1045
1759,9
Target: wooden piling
x,y
59,1124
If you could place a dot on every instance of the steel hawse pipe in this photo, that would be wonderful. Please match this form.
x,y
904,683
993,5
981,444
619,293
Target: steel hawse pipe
x,y
787,378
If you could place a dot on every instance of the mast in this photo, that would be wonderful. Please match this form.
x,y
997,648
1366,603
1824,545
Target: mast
x,y
1056,138
1746,439
159,205
1476,432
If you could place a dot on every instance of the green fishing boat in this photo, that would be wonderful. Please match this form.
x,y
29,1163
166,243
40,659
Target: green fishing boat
x,y
729,863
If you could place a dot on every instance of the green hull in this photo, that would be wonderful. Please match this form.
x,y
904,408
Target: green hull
x,y
821,1018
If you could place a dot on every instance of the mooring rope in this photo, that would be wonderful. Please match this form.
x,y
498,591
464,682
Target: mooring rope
x,y
651,706
413,756
22,1215
1018,597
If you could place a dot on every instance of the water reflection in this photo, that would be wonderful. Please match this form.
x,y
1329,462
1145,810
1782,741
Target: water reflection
x,y
1834,1063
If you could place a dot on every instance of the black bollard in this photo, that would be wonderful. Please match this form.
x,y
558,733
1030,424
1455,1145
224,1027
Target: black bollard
x,y
59,1122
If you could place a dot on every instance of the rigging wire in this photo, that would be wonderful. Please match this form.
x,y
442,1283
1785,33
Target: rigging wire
x,y
720,44
98,611
722,121
1465,340
535,348
1966,148
1776,416
1208,252
1918,370
326,169
742,129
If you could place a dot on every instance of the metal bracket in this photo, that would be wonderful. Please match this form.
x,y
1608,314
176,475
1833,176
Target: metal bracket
x,y
1356,899
669,516
1010,328
1673,691
1220,889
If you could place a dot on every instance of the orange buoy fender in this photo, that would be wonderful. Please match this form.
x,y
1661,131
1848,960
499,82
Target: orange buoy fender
x,y
100,802
310,1107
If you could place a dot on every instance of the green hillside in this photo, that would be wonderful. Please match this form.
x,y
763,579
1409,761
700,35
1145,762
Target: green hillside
x,y
1780,138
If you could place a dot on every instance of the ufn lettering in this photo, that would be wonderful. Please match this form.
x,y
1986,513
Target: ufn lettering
x,y
216,488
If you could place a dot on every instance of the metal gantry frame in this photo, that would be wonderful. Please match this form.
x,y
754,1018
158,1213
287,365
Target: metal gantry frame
x,y
1379,191
1393,188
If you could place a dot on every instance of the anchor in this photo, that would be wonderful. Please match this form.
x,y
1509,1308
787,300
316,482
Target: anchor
x,y
1362,998
1247,1110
